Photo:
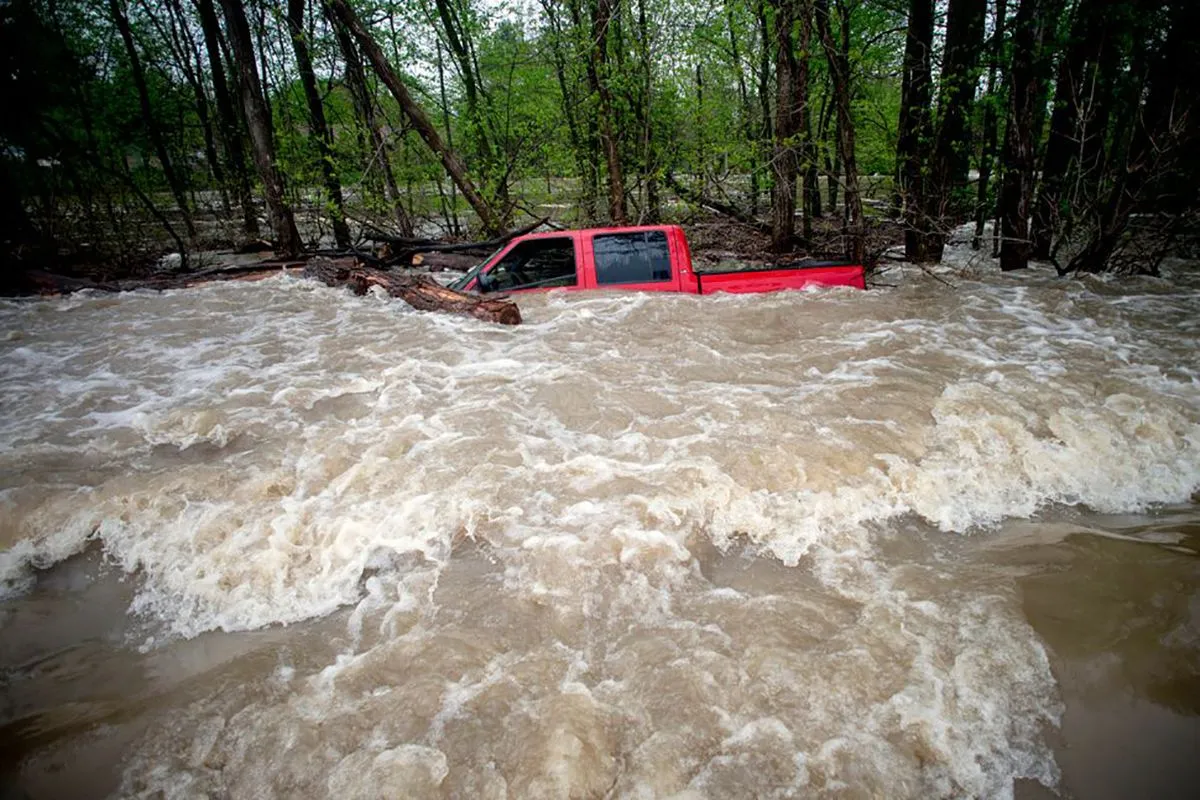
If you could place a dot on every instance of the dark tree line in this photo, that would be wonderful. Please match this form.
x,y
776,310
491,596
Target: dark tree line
x,y
1115,153
1069,123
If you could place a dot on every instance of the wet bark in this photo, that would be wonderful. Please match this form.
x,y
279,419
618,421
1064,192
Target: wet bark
x,y
283,224
230,124
419,291
650,163
602,15
479,144
1072,122
747,108
318,130
450,161
174,181
580,148
1026,91
364,107
806,165
915,127
950,161
990,122
177,33
810,180
1158,172
837,54
764,77
784,168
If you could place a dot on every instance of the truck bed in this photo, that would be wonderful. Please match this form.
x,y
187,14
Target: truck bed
x,y
776,278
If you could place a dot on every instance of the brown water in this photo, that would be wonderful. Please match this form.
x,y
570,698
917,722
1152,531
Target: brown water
x,y
274,540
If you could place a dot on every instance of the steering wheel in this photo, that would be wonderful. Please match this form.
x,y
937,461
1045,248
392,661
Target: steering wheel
x,y
519,279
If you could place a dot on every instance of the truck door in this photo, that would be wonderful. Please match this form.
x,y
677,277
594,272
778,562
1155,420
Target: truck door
x,y
547,262
639,260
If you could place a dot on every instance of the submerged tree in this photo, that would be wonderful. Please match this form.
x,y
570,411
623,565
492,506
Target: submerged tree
x,y
258,122
318,130
912,144
1157,171
1019,159
944,198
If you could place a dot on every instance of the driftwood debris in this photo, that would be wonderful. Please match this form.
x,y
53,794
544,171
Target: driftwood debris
x,y
440,262
696,198
419,291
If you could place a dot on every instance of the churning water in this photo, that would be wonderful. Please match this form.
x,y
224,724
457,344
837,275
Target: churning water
x,y
275,540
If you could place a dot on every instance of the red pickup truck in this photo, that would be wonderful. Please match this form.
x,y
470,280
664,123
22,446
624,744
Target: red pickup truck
x,y
649,258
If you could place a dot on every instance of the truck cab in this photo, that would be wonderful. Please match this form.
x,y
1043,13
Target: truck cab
x,y
651,258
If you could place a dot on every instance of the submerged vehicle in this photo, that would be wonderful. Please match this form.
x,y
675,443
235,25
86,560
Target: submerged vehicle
x,y
652,258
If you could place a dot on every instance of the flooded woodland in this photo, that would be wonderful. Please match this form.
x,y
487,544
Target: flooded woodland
x,y
268,537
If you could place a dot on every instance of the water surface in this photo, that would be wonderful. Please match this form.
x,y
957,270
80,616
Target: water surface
x,y
275,540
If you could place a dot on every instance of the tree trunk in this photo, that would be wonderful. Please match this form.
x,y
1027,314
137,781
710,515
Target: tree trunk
x,y
806,166
990,123
1069,121
449,208
912,146
948,168
1026,91
283,224
589,153
478,144
231,130
783,162
1159,170
838,56
747,108
174,182
450,161
318,130
364,106
763,77
602,15
701,165
419,291
580,149
178,34
650,164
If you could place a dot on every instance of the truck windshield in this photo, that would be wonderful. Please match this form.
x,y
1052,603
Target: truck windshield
x,y
461,284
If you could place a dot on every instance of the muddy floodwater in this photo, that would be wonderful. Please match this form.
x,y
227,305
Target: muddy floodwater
x,y
276,541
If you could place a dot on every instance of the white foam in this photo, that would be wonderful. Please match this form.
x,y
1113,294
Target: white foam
x,y
268,453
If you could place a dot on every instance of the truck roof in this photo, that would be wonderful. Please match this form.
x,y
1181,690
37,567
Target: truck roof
x,y
621,229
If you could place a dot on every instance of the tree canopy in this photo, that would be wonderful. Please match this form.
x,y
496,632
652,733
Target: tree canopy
x,y
135,125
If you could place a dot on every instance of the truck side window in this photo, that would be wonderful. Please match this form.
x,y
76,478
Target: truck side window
x,y
641,257
535,264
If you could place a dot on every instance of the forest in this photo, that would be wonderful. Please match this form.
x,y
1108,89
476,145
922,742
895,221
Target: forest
x,y
1061,130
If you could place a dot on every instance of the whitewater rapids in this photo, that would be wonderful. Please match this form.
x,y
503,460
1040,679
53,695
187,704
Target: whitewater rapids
x,y
641,546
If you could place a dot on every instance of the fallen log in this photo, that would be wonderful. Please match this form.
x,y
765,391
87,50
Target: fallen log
x,y
438,262
419,291
36,281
